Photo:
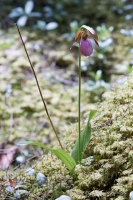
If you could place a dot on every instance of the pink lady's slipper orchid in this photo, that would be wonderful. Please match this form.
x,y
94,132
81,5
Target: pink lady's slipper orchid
x,y
85,44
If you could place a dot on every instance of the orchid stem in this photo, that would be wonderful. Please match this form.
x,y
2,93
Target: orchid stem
x,y
79,100
39,88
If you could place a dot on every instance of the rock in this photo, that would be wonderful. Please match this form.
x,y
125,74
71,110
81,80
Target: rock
x,y
10,189
41,178
17,196
63,197
20,159
131,195
30,171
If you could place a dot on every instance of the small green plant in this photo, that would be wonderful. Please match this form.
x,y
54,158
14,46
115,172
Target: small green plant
x,y
86,48
24,14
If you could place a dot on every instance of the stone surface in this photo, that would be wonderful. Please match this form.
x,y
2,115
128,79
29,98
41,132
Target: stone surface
x,y
63,197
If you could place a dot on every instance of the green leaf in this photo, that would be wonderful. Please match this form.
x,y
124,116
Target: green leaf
x,y
84,140
91,115
60,153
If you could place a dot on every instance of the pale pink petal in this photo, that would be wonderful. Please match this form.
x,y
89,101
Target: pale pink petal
x,y
86,47
91,32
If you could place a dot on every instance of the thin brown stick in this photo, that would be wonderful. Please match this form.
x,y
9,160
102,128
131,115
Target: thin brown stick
x,y
39,88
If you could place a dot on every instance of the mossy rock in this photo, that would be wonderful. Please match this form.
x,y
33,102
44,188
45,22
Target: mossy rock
x,y
110,174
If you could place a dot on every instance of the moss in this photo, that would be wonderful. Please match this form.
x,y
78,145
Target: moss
x,y
110,174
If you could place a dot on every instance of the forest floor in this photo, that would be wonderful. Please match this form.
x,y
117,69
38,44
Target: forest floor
x,y
21,110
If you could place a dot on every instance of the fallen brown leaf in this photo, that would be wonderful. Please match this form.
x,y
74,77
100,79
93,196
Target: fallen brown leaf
x,y
7,155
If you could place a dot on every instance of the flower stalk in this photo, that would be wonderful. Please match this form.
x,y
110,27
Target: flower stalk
x,y
79,106
39,88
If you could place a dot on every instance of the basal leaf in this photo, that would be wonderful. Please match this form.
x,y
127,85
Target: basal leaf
x,y
84,140
60,153
91,115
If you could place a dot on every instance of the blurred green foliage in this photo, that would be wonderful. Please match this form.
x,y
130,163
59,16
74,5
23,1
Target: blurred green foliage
x,y
41,12
111,19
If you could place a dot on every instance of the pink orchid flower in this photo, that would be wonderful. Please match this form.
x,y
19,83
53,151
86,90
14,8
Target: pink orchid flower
x,y
85,44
